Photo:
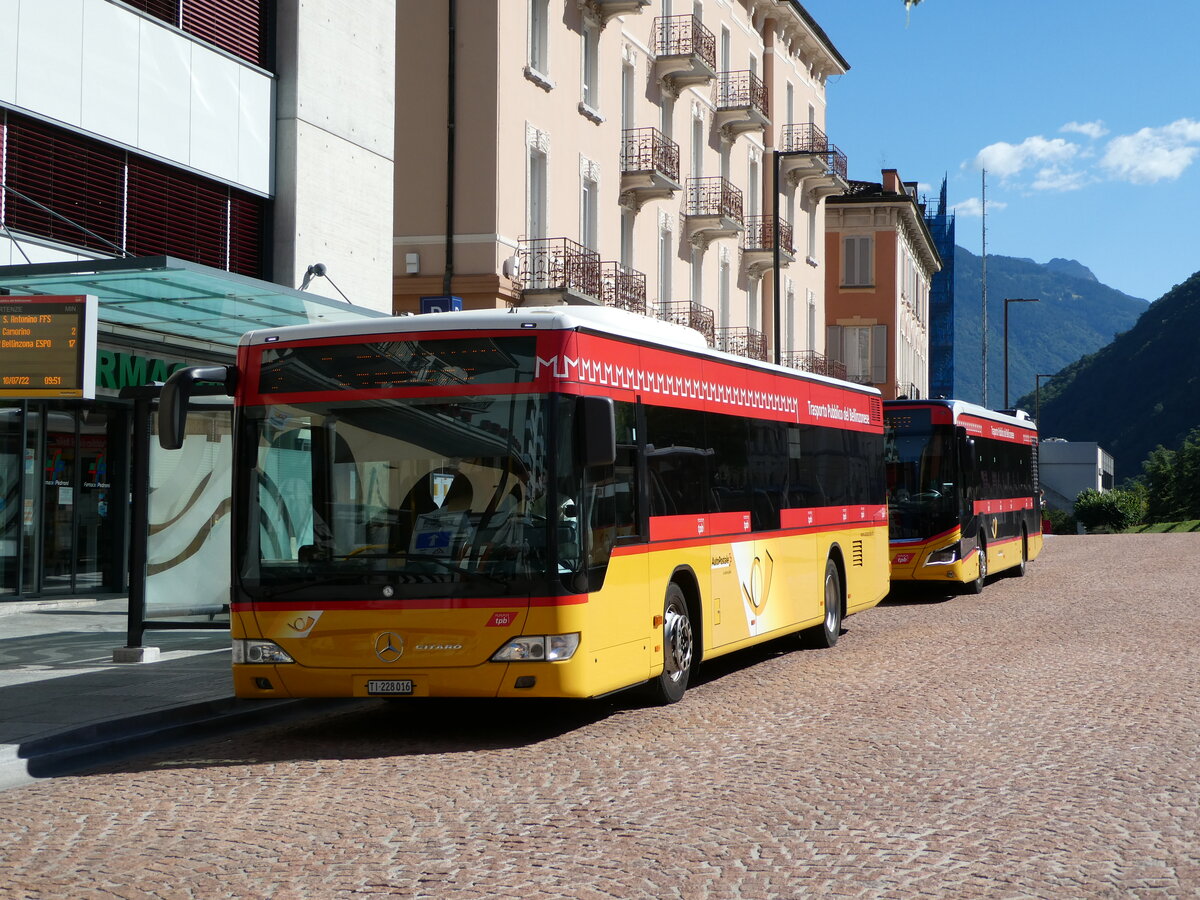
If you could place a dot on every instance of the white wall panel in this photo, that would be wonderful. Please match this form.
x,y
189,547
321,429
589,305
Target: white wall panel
x,y
214,113
110,72
254,130
164,93
50,58
9,14
128,79
11,255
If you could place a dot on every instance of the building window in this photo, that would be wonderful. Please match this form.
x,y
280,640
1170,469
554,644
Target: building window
x,y
723,294
665,242
811,346
588,203
753,314
590,76
697,276
538,69
535,195
862,349
857,261
627,237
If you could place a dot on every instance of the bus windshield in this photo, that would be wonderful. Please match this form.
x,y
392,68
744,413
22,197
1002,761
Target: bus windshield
x,y
429,497
922,475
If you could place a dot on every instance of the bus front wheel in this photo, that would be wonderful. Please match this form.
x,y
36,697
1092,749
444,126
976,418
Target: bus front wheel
x,y
826,634
976,586
678,647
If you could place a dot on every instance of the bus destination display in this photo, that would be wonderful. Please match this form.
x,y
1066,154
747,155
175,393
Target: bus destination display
x,y
47,347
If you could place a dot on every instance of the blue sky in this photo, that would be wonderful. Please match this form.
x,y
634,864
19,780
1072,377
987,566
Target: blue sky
x,y
1085,113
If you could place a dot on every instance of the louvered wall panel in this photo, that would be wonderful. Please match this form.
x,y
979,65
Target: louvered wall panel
x,y
78,178
176,213
167,10
246,235
238,26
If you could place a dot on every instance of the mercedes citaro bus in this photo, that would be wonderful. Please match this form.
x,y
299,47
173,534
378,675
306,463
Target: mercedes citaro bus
x,y
542,502
962,486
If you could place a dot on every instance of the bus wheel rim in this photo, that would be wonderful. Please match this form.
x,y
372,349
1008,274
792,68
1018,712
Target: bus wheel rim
x,y
679,643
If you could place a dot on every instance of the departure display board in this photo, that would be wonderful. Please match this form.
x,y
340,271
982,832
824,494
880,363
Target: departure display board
x,y
48,347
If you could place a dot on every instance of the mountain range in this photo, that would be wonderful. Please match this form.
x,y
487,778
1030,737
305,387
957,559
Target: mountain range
x,y
1139,391
1075,316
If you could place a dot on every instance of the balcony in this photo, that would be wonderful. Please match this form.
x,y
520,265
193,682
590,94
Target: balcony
x,y
748,342
691,314
741,104
606,9
714,210
558,270
758,245
811,159
812,361
685,52
622,287
649,166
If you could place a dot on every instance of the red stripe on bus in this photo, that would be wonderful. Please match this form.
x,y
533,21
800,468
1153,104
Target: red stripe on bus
x,y
989,507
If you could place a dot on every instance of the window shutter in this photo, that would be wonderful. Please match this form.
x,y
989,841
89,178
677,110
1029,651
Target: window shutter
x,y
879,348
833,343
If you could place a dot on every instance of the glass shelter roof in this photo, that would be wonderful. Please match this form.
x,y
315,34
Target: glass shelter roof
x,y
164,296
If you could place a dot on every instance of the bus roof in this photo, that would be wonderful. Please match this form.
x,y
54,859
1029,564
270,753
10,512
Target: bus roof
x,y
960,408
605,320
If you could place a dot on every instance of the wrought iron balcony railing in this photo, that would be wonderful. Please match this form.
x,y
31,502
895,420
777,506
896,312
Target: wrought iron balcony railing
x,y
684,36
691,314
649,150
714,197
805,138
812,361
559,264
748,342
760,235
741,89
622,287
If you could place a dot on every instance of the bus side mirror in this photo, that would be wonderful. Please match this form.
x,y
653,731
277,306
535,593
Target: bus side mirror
x,y
177,394
597,431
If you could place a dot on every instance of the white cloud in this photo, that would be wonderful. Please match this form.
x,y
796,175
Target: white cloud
x,y
1093,130
1007,160
1153,154
1054,178
973,207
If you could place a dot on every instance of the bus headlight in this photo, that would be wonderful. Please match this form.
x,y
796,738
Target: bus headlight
x,y
259,652
943,557
538,648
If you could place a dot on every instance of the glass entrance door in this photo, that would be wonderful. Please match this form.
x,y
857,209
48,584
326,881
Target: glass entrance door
x,y
59,494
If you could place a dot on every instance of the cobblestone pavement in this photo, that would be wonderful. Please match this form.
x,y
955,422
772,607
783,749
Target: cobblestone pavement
x,y
1036,741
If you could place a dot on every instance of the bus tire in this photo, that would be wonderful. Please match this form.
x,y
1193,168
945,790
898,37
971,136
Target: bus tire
x,y
1018,570
679,651
976,586
826,634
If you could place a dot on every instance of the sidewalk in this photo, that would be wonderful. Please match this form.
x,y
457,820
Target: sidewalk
x,y
64,703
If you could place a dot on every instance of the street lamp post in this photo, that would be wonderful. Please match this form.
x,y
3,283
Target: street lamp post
x,y
1008,300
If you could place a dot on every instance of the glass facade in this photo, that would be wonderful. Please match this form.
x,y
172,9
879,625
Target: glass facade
x,y
62,468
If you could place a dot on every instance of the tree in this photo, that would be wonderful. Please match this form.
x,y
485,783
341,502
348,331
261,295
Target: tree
x,y
1109,510
1172,481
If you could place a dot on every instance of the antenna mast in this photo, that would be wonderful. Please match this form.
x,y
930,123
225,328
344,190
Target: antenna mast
x,y
984,267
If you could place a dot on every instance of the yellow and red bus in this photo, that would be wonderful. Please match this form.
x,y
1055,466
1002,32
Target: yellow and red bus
x,y
542,502
962,486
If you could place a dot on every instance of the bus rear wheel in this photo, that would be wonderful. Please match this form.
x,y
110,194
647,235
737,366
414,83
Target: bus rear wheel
x,y
827,633
1019,569
678,648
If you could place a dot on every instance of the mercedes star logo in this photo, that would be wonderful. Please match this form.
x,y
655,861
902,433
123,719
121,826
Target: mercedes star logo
x,y
389,646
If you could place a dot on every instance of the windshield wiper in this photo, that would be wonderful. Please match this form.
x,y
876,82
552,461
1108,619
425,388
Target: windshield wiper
x,y
425,557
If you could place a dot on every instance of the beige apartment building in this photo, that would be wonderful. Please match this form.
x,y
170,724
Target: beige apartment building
x,y
619,152
880,260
